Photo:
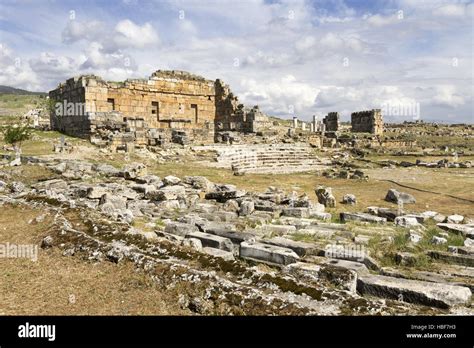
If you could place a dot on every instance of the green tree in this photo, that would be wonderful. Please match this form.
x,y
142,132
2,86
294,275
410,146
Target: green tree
x,y
15,135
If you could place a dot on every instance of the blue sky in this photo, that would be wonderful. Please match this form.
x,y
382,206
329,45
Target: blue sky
x,y
293,58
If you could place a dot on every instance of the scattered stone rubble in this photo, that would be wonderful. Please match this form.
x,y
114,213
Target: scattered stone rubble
x,y
191,218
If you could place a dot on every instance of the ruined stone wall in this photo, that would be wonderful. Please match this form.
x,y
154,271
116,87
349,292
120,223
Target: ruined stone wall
x,y
166,100
174,102
233,116
370,121
76,123
331,122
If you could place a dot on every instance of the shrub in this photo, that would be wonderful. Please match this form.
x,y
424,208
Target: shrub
x,y
15,134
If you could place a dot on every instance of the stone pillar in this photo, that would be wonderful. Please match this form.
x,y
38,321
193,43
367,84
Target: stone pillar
x,y
311,127
295,122
303,125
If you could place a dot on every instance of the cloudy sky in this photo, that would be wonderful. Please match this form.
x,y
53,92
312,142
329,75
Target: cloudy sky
x,y
290,57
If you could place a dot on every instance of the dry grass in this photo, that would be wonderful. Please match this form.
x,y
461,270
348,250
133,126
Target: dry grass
x,y
368,193
59,285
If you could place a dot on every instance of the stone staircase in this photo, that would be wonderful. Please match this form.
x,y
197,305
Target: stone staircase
x,y
267,158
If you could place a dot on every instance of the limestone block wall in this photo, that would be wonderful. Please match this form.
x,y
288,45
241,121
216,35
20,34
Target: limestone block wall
x,y
160,100
367,122
169,100
75,122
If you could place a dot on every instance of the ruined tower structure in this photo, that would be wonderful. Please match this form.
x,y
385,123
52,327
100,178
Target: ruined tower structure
x,y
370,121
171,105
331,122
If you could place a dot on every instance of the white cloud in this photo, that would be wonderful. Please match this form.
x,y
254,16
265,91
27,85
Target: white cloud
x,y
130,34
282,96
76,30
289,52
380,20
15,71
446,95
125,34
451,10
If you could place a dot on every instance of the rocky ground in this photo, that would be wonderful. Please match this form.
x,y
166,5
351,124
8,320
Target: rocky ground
x,y
219,248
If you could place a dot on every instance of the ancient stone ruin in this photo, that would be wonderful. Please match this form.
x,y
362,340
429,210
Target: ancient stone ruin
x,y
169,106
367,122
38,118
332,122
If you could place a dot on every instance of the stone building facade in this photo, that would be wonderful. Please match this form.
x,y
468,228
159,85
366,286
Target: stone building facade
x,y
169,106
370,121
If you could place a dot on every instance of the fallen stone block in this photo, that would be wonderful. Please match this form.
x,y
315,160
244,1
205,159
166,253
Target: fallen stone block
x,y
180,228
200,183
406,221
236,237
226,255
118,202
395,196
405,258
464,230
54,184
363,217
246,208
304,268
438,240
389,214
325,196
296,212
319,215
459,259
106,169
317,232
341,277
455,219
267,253
167,193
224,193
212,241
300,248
209,226
349,199
358,267
133,170
463,250
413,291
279,229
351,252
96,192
193,243
171,180
204,208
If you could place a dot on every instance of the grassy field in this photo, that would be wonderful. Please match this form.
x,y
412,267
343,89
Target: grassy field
x,y
452,181
83,288
368,193
16,105
41,143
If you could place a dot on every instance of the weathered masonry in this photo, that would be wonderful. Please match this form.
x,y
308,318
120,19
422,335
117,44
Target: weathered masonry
x,y
370,121
169,106
332,122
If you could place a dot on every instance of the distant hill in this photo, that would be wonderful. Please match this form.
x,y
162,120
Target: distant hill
x,y
18,91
